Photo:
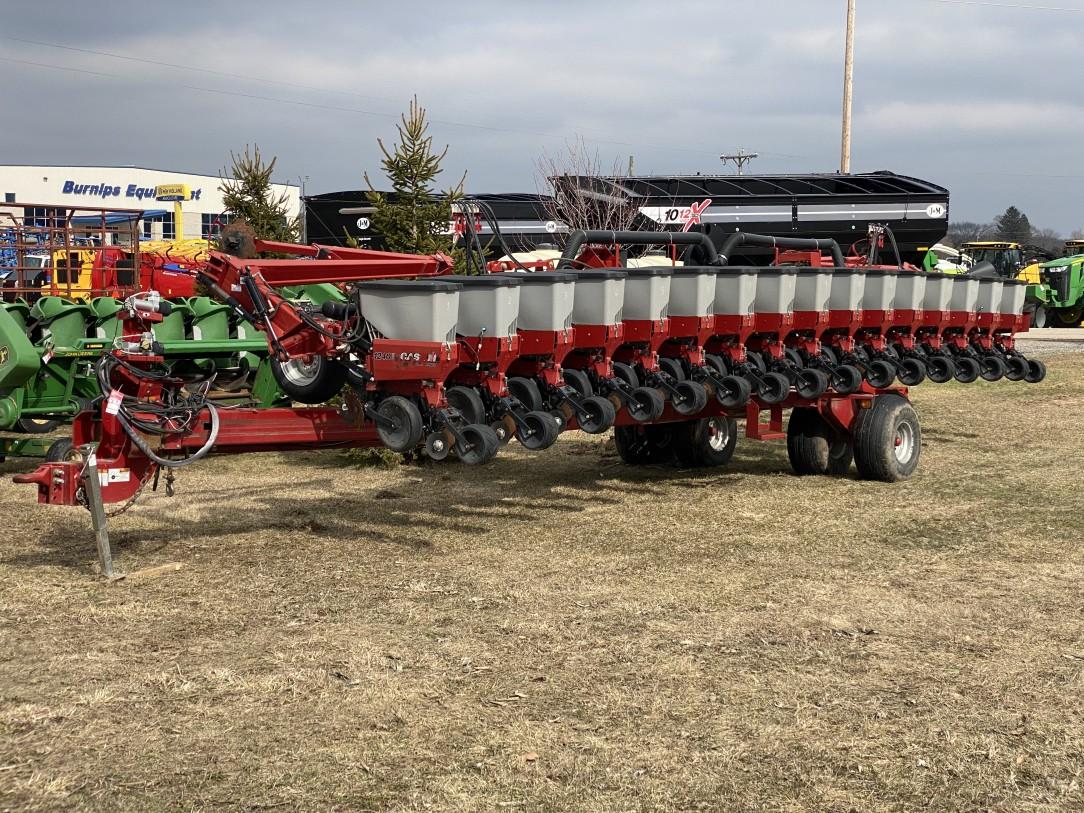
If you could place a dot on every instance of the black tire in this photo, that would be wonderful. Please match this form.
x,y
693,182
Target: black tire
x,y
526,391
646,404
794,357
811,383
967,369
1040,317
469,403
692,398
716,363
814,447
846,378
63,451
887,440
406,434
673,368
757,360
1036,371
601,415
437,446
313,382
645,445
733,391
1065,317
773,388
542,431
35,426
829,354
940,368
705,442
880,373
481,444
911,371
1016,367
992,368
505,428
578,380
627,374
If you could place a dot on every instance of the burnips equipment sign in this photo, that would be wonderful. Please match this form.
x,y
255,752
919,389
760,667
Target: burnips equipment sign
x,y
106,190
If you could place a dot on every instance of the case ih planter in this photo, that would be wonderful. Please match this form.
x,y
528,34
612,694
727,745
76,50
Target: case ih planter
x,y
427,361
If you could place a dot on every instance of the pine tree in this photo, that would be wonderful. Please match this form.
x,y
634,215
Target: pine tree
x,y
1013,225
416,220
249,196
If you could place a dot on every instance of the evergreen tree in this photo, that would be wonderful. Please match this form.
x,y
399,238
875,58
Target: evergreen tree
x,y
1013,225
416,220
248,195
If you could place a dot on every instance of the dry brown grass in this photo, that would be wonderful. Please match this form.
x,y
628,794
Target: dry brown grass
x,y
560,632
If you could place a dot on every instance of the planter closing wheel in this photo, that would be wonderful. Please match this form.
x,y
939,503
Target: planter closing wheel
x,y
626,373
578,380
887,440
541,432
846,378
1017,368
525,390
814,447
706,442
912,372
773,388
880,373
992,368
645,404
479,445
810,383
1036,371
673,368
401,430
967,369
645,445
309,379
600,415
691,398
940,368
468,402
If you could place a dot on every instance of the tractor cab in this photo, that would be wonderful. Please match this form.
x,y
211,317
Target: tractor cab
x,y
1073,248
1006,257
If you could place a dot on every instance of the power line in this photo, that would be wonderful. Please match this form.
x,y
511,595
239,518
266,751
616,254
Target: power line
x,y
1008,5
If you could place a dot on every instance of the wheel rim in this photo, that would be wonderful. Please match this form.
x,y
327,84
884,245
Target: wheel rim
x,y
718,434
904,443
301,372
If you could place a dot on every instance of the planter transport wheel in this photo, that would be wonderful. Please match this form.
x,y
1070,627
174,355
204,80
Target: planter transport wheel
x,y
600,415
940,368
992,368
645,445
880,373
773,388
578,380
673,368
1017,368
479,445
525,390
309,379
691,397
706,442
967,369
814,447
846,378
405,430
887,440
646,404
542,431
437,446
811,383
911,372
63,451
733,391
468,402
627,374
1036,371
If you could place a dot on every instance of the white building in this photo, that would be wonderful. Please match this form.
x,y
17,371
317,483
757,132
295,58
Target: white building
x,y
70,187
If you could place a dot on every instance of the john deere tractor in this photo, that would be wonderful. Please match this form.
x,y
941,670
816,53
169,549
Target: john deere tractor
x,y
1016,261
1062,282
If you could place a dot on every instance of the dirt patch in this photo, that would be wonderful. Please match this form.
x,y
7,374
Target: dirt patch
x,y
561,632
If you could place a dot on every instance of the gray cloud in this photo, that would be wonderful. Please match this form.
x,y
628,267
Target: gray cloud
x,y
984,100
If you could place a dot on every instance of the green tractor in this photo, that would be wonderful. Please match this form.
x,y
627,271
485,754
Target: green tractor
x,y
1062,284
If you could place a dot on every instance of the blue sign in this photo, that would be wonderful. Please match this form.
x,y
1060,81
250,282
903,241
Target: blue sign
x,y
104,190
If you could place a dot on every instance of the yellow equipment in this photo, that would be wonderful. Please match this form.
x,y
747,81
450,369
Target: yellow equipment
x,y
1007,257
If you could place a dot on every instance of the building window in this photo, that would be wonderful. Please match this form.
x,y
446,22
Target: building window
x,y
212,225
9,197
169,227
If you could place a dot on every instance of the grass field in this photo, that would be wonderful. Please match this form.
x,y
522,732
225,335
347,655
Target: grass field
x,y
561,632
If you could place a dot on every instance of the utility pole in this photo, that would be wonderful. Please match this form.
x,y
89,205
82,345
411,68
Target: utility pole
x,y
848,79
740,158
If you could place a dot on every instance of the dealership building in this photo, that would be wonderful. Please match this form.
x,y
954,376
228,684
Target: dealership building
x,y
56,190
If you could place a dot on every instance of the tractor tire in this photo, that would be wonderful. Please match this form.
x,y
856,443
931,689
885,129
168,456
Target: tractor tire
x,y
706,442
1066,317
887,440
814,447
35,426
316,381
1040,317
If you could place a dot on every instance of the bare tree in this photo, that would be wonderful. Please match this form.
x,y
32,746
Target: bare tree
x,y
585,194
1048,240
965,231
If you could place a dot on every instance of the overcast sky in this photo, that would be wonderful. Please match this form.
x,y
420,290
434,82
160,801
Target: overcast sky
x,y
982,98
